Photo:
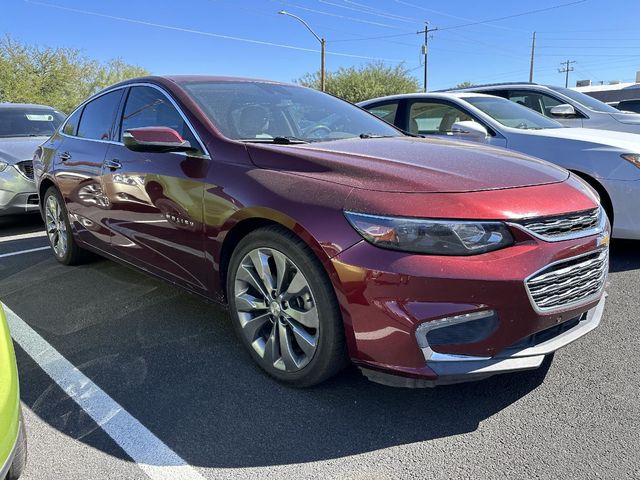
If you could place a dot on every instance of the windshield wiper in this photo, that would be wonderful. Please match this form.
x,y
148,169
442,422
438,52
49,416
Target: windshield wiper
x,y
374,135
281,140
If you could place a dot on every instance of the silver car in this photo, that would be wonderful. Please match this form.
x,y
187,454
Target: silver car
x,y
22,128
569,107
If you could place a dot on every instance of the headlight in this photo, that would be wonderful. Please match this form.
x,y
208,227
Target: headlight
x,y
633,158
3,166
433,237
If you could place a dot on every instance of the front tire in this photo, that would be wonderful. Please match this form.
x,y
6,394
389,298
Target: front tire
x,y
284,309
58,229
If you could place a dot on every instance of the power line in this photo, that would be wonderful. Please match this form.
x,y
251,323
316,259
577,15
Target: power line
x,y
200,32
370,11
530,12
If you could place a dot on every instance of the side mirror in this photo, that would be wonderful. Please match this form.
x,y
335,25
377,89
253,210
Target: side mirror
x,y
469,129
155,140
564,110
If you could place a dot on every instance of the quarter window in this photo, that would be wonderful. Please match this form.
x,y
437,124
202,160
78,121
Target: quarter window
x,y
386,111
434,118
98,116
148,107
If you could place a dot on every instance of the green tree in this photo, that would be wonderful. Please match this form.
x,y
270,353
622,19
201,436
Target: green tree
x,y
370,81
60,77
465,84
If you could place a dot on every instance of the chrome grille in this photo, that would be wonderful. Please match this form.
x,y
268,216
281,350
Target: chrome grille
x,y
26,168
563,225
569,282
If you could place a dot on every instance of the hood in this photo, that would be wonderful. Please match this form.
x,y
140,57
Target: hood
x,y
408,164
19,149
628,118
629,142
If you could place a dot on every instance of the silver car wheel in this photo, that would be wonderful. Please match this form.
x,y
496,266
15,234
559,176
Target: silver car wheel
x,y
56,226
277,311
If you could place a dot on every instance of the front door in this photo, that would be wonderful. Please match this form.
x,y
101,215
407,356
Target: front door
x,y
156,199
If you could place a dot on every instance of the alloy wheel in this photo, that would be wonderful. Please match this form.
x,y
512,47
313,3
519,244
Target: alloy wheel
x,y
56,226
276,308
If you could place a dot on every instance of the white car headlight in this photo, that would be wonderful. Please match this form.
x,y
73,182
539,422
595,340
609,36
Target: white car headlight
x,y
633,158
431,236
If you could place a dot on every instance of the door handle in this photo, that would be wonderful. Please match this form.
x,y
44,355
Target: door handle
x,y
113,164
64,156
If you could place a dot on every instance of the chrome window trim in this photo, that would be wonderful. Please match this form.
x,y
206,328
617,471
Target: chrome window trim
x,y
569,236
114,142
582,301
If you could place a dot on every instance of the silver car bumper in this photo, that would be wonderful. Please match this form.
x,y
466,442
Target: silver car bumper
x,y
18,193
624,197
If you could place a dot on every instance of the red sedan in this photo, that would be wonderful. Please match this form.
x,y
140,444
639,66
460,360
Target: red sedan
x,y
329,234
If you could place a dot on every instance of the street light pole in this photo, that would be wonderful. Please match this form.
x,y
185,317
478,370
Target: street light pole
x,y
323,44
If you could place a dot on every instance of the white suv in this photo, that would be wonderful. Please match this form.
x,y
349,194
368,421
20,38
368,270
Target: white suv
x,y
569,107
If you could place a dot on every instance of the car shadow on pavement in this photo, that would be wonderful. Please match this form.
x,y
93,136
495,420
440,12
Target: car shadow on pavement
x,y
624,255
16,224
173,362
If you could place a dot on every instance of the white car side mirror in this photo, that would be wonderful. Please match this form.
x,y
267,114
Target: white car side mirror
x,y
469,129
564,110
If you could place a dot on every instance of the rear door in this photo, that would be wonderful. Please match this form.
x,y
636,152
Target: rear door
x,y
156,199
87,136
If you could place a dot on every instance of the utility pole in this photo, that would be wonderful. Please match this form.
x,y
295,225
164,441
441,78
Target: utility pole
x,y
425,49
533,52
566,69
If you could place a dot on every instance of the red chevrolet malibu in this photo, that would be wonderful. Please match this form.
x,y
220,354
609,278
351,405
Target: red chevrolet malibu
x,y
328,233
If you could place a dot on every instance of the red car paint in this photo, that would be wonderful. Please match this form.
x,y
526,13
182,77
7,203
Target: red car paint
x,y
384,295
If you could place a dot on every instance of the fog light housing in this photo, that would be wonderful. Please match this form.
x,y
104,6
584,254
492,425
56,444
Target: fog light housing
x,y
457,330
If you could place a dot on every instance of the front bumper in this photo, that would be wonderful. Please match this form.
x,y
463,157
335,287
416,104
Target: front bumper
x,y
18,194
514,359
19,447
388,298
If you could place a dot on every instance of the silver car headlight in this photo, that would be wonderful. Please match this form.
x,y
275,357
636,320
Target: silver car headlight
x,y
633,158
3,166
431,236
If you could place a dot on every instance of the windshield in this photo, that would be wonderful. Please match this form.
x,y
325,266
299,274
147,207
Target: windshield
x,y
585,100
29,122
258,111
511,114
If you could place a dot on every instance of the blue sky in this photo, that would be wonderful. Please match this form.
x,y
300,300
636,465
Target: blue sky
x,y
193,36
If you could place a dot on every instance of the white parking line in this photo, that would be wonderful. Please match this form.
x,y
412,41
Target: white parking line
x,y
23,236
11,254
151,454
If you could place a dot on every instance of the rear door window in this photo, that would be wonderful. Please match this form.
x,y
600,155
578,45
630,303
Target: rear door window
x,y
98,116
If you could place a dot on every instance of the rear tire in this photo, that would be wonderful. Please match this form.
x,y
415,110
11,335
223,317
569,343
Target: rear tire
x,y
284,309
59,233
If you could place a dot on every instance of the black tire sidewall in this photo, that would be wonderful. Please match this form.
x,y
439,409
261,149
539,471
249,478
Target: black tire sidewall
x,y
330,355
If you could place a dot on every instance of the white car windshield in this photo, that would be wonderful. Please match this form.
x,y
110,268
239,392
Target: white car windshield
x,y
29,122
585,100
511,114
269,112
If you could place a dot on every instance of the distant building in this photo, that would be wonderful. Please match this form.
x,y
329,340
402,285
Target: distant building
x,y
614,92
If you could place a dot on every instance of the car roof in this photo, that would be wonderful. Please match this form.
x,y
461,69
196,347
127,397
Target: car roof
x,y
15,106
435,95
498,86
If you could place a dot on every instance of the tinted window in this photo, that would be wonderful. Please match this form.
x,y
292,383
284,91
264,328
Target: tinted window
x,y
385,111
431,117
98,116
29,122
539,102
261,111
149,107
71,127
629,105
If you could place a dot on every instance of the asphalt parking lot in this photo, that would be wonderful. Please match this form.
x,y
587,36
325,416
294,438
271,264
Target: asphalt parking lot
x,y
172,362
